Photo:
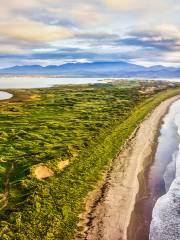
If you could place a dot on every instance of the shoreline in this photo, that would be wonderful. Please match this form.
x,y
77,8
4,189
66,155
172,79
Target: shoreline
x,y
141,217
109,209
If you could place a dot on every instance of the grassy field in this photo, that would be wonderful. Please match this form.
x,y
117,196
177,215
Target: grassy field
x,y
82,127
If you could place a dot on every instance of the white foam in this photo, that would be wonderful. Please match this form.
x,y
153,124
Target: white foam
x,y
170,172
166,215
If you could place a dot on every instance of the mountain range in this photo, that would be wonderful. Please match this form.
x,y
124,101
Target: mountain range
x,y
95,69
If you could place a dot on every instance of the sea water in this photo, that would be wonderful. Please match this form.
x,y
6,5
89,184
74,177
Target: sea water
x,y
165,224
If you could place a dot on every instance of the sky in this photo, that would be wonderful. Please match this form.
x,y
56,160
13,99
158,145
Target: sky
x,y
54,32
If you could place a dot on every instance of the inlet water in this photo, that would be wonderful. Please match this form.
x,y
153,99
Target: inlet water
x,y
156,215
43,82
5,95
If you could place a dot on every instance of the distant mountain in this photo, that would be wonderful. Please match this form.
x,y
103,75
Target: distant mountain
x,y
95,69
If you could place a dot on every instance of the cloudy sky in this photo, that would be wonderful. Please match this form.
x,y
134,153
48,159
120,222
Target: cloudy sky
x,y
57,31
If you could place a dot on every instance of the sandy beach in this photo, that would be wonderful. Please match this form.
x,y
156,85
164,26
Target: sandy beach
x,y
110,212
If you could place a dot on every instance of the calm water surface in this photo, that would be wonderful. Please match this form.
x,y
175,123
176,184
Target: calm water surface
x,y
43,82
5,95
39,82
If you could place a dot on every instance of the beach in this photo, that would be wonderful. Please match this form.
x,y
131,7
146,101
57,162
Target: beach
x,y
110,211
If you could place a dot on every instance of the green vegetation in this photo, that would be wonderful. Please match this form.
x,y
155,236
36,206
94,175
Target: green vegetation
x,y
86,125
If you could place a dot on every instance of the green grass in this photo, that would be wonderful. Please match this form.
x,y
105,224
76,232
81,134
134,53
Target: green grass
x,y
86,125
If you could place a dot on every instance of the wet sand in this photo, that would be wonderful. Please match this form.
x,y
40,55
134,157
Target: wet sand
x,y
110,214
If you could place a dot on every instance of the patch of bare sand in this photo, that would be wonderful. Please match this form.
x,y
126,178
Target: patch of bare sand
x,y
42,171
110,214
63,164
35,97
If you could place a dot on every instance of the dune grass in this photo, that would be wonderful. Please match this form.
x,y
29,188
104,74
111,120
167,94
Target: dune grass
x,y
86,125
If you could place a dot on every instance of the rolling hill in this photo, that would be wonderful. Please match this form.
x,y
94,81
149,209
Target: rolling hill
x,y
95,69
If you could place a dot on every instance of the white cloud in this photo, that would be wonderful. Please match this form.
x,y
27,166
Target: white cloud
x,y
168,31
46,26
31,31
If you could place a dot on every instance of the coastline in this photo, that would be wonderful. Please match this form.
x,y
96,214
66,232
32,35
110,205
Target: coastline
x,y
109,210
